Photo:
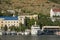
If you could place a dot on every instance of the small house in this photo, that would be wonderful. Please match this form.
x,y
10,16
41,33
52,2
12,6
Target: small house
x,y
55,14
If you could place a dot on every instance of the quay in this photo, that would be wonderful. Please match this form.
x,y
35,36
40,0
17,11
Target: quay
x,y
29,37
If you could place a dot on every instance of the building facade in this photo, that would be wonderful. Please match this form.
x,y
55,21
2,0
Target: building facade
x,y
14,20
21,18
9,21
55,14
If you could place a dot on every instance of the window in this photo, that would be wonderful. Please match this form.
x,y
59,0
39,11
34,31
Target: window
x,y
14,24
11,22
14,21
8,22
17,21
2,22
20,18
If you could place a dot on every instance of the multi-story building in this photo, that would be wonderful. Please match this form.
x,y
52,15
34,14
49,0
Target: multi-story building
x,y
22,17
55,14
9,21
14,20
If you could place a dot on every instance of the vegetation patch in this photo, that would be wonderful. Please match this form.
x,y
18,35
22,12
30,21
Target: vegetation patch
x,y
56,1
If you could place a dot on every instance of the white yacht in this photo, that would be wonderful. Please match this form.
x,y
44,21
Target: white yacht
x,y
34,29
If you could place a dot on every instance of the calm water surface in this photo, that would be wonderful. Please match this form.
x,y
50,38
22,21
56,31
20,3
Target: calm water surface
x,y
42,37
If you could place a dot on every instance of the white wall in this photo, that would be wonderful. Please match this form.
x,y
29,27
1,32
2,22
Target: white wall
x,y
21,19
51,13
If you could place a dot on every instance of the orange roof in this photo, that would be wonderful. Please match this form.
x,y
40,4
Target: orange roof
x,y
56,10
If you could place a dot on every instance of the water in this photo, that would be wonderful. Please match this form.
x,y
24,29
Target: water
x,y
42,37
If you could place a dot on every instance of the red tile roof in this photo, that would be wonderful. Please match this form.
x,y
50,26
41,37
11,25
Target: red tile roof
x,y
56,10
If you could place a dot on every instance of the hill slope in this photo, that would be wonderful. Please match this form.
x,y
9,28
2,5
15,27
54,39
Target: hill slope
x,y
29,6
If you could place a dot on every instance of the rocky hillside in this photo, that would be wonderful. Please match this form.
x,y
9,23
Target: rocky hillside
x,y
29,6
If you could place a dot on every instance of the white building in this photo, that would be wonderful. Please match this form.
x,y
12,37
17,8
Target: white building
x,y
22,17
54,14
30,16
9,21
34,29
14,20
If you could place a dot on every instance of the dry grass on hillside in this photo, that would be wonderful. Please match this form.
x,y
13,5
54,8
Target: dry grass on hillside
x,y
30,6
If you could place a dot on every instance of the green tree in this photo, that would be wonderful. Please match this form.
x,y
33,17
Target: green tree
x,y
56,23
5,28
18,29
44,20
22,27
13,28
29,22
55,1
